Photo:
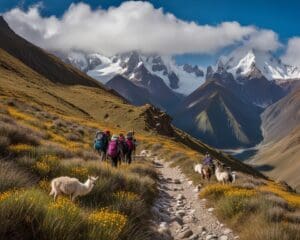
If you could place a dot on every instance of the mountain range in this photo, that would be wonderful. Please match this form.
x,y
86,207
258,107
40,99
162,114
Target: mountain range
x,y
248,98
248,79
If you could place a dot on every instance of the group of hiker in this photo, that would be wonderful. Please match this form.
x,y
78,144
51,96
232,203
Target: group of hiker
x,y
117,148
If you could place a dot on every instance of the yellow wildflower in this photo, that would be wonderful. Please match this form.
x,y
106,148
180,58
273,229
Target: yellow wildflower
x,y
291,198
42,167
63,204
19,115
218,190
44,185
20,148
107,224
79,171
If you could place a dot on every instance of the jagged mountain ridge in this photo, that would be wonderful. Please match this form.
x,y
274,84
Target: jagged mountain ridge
x,y
241,62
253,87
180,79
164,81
262,77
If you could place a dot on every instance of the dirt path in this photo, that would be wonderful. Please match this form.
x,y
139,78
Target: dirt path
x,y
178,211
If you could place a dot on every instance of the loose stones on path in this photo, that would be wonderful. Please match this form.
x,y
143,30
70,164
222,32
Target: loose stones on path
x,y
181,214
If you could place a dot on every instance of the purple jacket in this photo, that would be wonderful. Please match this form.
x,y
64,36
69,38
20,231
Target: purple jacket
x,y
208,161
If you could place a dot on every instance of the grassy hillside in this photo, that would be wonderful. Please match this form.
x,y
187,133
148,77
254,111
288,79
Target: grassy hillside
x,y
37,146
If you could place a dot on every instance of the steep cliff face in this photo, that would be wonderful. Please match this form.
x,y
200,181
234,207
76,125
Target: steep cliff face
x,y
158,120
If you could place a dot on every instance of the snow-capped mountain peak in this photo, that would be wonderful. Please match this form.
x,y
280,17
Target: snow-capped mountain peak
x,y
182,79
242,62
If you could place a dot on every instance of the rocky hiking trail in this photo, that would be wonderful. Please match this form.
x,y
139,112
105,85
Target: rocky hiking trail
x,y
178,211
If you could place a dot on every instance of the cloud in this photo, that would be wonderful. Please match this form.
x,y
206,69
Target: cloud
x,y
132,26
292,54
263,40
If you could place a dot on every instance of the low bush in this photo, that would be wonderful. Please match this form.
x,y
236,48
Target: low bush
x,y
230,206
4,143
275,214
13,177
17,134
265,231
73,137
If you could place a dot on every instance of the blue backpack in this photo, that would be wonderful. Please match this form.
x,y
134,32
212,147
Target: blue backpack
x,y
100,142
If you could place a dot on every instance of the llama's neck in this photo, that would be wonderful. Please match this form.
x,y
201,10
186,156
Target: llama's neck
x,y
86,187
218,171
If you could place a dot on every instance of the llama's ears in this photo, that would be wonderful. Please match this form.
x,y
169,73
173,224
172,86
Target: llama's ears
x,y
94,178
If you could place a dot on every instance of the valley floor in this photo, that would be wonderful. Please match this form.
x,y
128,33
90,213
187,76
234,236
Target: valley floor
x,y
179,212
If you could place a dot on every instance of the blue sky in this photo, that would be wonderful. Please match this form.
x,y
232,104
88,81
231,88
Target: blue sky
x,y
282,16
279,16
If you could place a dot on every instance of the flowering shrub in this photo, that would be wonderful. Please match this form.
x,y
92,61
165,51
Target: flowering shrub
x,y
240,192
215,190
46,164
43,168
19,148
44,185
104,224
126,196
6,195
63,205
19,115
79,171
218,190
292,198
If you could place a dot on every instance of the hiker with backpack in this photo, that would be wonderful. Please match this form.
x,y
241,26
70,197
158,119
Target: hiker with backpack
x,y
113,151
130,145
123,148
100,144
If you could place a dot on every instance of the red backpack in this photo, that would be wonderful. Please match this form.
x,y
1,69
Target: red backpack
x,y
129,144
113,149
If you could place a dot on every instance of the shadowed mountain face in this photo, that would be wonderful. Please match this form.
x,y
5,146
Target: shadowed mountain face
x,y
224,112
133,93
281,145
218,117
282,117
253,88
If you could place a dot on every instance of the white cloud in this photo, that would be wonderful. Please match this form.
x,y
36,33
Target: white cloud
x,y
263,40
292,54
132,26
